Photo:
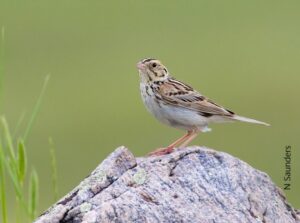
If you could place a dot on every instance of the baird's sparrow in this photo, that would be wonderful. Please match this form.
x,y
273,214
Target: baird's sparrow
x,y
179,105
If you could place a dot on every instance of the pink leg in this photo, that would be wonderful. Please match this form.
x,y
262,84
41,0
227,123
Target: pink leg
x,y
188,140
170,148
180,140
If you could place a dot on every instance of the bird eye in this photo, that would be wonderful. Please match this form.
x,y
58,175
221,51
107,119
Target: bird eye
x,y
154,65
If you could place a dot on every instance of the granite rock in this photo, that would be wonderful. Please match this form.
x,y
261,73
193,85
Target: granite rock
x,y
194,184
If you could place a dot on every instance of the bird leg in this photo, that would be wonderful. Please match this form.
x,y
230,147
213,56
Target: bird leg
x,y
180,140
189,139
170,148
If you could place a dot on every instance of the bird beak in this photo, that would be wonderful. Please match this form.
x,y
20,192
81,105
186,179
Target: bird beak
x,y
140,66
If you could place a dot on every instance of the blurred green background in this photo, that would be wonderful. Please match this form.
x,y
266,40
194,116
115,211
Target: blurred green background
x,y
244,55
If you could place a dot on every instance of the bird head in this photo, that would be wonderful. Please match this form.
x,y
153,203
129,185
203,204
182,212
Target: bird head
x,y
152,70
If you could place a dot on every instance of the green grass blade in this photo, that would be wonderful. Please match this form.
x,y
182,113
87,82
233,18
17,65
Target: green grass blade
x,y
33,194
53,169
36,108
8,139
2,187
14,177
2,47
18,125
22,162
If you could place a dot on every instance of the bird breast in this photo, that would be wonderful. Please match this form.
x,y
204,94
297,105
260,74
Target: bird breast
x,y
171,115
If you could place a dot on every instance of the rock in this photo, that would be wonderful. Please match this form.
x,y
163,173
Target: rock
x,y
194,184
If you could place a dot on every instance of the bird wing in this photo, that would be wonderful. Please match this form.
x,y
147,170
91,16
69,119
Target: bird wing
x,y
178,94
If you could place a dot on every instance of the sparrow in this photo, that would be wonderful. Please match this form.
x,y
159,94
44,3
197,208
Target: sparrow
x,y
178,105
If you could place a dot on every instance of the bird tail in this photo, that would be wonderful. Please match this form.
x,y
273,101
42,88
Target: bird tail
x,y
244,119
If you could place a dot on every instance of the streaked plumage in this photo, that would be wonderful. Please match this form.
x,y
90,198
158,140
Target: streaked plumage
x,y
177,104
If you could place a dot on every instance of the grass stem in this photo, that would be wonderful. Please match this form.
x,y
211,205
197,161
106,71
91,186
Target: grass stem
x,y
36,108
2,186
53,169
2,49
